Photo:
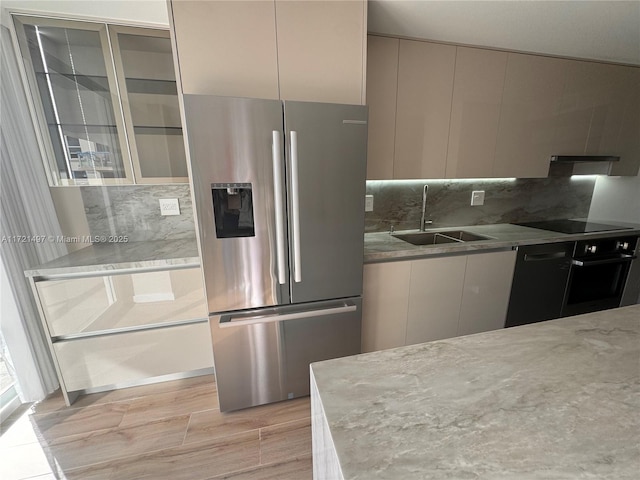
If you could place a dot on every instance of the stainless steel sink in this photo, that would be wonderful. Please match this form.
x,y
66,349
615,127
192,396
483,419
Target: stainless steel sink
x,y
464,236
435,238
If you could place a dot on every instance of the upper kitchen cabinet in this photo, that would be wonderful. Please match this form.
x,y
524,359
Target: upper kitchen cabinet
x,y
105,100
425,89
226,48
321,50
628,139
382,89
475,112
146,76
309,51
599,113
530,116
458,112
68,64
555,106
614,103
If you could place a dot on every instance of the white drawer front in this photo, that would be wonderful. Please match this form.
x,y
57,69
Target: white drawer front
x,y
112,359
84,305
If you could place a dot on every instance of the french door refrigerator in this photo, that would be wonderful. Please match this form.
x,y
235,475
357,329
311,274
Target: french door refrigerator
x,y
279,190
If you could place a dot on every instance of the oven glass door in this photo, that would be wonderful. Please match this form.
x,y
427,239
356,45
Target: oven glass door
x,y
595,286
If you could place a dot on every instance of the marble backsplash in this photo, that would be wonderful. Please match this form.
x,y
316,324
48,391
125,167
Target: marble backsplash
x,y
399,202
134,210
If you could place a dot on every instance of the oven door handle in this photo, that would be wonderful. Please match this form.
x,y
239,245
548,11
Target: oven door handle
x,y
587,263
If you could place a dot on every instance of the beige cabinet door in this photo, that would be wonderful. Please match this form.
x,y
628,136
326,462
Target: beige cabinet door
x,y
384,306
435,294
382,88
475,112
486,291
532,97
109,360
425,88
226,48
321,50
600,113
605,98
619,132
581,101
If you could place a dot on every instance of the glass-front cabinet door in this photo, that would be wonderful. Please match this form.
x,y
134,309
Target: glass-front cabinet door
x,y
67,63
144,67
106,100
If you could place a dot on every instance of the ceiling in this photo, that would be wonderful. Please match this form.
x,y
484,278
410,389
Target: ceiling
x,y
596,29
602,30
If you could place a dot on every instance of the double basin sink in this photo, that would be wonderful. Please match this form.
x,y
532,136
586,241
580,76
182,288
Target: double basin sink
x,y
436,238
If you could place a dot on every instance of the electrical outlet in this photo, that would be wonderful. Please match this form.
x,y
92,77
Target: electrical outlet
x,y
368,203
477,198
169,206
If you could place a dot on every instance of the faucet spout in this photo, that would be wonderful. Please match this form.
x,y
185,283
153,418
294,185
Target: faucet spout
x,y
423,221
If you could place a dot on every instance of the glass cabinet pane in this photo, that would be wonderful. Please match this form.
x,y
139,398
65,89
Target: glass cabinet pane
x,y
147,72
78,97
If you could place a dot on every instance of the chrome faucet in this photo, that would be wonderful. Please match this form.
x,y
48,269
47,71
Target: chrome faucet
x,y
424,222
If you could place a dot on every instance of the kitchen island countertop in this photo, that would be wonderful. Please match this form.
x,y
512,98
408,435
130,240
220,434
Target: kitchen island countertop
x,y
553,400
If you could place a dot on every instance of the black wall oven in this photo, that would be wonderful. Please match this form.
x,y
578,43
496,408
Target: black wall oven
x,y
598,274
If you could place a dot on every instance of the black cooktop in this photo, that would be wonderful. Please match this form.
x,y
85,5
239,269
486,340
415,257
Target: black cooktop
x,y
571,226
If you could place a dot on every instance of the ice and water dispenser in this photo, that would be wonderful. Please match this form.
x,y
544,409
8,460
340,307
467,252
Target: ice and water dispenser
x,y
233,209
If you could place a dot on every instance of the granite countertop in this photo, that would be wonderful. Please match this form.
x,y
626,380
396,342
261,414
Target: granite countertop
x,y
553,400
383,246
104,257
377,247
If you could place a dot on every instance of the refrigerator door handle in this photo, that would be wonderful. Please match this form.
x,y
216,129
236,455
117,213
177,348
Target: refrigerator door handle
x,y
228,320
295,202
277,190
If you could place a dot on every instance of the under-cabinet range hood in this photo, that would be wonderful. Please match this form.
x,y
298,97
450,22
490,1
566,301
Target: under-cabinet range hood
x,y
567,165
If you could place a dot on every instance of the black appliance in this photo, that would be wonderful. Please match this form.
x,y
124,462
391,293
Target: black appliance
x,y
539,283
556,280
571,226
599,270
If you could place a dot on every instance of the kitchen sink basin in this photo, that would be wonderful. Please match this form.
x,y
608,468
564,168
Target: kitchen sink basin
x,y
464,236
435,238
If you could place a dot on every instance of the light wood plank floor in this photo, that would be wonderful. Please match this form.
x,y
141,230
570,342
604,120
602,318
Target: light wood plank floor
x,y
171,430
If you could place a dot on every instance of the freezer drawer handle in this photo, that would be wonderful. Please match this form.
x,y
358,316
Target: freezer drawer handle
x,y
295,201
227,321
277,188
587,263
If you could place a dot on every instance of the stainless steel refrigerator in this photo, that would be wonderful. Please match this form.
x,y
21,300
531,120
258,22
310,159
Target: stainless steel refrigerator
x,y
279,190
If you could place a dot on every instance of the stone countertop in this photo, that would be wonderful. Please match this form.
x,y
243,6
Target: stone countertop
x,y
106,257
380,247
553,400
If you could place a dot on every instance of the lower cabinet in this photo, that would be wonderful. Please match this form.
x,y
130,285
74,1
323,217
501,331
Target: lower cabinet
x,y
486,290
120,329
434,298
416,301
384,307
123,358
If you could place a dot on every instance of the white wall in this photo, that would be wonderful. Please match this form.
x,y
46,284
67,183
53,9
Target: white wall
x,y
151,12
616,199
